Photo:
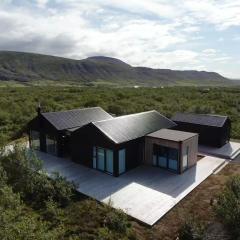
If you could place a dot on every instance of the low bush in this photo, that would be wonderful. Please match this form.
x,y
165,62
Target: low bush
x,y
191,230
227,207
17,222
25,175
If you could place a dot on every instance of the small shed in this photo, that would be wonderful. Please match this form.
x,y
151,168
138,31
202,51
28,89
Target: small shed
x,y
213,130
171,149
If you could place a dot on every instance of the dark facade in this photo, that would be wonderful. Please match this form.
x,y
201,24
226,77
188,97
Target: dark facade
x,y
95,139
213,130
50,129
122,137
39,125
84,140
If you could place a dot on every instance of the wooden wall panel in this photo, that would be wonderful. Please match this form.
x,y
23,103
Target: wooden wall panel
x,y
149,142
192,143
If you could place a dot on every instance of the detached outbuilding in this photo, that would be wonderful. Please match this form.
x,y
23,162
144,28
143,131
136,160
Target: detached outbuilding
x,y
213,130
171,149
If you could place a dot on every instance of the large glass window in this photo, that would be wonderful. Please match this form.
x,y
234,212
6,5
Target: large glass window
x,y
154,160
51,145
94,157
121,161
35,140
173,159
165,157
162,157
103,159
109,161
185,158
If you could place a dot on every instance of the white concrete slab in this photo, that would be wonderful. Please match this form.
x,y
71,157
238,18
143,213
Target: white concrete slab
x,y
145,193
229,150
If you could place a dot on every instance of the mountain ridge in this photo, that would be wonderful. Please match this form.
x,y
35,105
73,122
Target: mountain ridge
x,y
31,67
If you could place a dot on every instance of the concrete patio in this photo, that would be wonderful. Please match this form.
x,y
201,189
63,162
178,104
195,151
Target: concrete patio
x,y
230,150
145,193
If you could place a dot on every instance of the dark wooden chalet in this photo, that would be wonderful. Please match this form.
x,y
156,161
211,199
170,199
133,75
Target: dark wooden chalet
x,y
94,138
48,131
213,130
117,145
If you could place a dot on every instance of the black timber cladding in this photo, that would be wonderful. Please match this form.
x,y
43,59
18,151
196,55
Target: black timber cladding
x,y
200,119
75,118
213,130
133,126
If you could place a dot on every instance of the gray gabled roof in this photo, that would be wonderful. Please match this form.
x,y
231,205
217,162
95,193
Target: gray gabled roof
x,y
200,119
75,118
129,127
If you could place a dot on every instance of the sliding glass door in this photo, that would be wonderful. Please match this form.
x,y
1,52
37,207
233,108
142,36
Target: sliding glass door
x,y
121,161
162,157
173,159
103,159
109,161
35,140
166,157
51,145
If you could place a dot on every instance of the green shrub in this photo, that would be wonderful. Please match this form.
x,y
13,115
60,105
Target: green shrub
x,y
191,230
116,221
53,213
25,175
228,206
17,223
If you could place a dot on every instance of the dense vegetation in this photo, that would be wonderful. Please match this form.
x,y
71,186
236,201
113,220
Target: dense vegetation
x,y
18,105
228,206
32,68
227,211
33,206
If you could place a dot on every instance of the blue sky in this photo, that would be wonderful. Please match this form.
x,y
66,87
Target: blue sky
x,y
176,34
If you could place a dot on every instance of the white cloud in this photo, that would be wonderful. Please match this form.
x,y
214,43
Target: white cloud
x,y
209,52
223,14
236,38
153,33
41,3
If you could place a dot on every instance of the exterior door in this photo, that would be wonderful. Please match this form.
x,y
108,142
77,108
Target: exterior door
x,y
109,161
94,157
166,157
162,157
35,140
100,159
51,145
103,159
173,159
122,161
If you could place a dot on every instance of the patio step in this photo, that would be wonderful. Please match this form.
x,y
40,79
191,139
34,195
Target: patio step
x,y
220,167
235,154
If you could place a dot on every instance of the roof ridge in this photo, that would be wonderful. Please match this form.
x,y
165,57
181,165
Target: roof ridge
x,y
204,114
163,116
73,110
128,115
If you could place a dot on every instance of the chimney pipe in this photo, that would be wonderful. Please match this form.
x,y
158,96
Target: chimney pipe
x,y
39,109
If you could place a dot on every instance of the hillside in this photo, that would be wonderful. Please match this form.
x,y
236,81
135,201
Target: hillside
x,y
29,67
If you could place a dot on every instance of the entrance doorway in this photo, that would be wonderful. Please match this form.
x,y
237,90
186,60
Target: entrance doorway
x,y
166,157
